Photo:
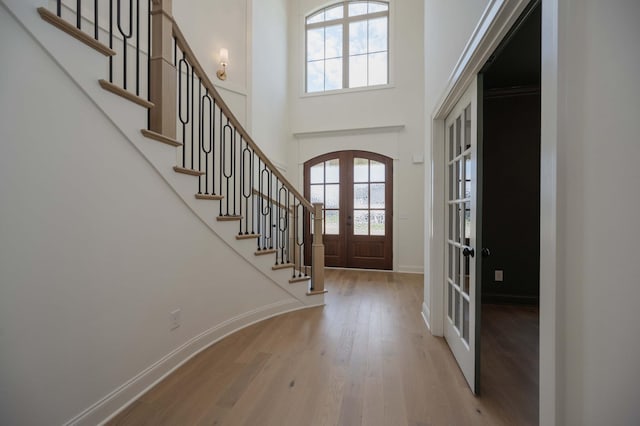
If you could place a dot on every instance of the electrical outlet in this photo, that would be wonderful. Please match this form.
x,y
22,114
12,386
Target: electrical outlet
x,y
174,319
499,275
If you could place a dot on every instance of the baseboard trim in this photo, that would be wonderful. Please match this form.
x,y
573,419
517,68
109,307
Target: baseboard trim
x,y
426,314
410,269
119,399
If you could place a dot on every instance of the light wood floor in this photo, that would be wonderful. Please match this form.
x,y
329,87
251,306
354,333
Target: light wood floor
x,y
366,358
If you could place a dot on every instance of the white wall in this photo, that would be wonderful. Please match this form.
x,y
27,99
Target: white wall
x,y
389,121
209,25
598,199
95,248
269,78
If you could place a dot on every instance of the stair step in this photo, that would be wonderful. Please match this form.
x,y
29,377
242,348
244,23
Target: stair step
x,y
209,197
160,138
187,171
70,29
117,90
247,236
298,280
315,292
265,251
228,218
283,266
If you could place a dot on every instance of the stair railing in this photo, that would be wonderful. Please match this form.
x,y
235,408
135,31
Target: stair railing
x,y
231,167
186,110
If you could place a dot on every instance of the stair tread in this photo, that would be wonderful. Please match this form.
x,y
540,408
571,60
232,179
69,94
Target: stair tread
x,y
70,29
265,251
316,292
298,279
209,197
117,90
185,171
160,137
283,266
247,236
228,218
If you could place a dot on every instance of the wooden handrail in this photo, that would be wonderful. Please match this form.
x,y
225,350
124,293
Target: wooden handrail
x,y
191,57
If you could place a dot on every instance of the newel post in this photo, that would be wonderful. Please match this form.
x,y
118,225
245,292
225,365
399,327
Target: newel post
x,y
317,252
162,72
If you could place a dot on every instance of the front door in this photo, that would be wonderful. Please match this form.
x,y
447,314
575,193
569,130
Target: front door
x,y
460,229
356,188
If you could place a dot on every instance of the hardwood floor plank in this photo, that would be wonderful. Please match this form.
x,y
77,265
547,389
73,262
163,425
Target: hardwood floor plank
x,y
365,358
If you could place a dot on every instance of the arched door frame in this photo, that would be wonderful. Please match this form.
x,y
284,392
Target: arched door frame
x,y
346,245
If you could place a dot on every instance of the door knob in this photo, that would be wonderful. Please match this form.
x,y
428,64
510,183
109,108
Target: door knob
x,y
486,252
468,251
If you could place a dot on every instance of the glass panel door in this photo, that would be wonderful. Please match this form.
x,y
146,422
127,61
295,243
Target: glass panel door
x,y
460,181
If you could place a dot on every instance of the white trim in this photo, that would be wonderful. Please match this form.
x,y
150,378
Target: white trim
x,y
351,131
410,269
548,351
426,314
117,400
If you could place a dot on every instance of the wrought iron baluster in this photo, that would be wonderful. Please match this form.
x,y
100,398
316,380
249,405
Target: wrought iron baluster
x,y
79,14
209,149
59,8
247,184
183,104
110,39
126,35
95,19
137,47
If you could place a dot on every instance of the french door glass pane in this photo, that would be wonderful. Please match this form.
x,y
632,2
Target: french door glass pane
x,y
377,219
458,136
317,173
317,194
332,196
377,171
450,307
451,146
467,222
467,174
450,260
467,127
361,222
332,171
360,170
465,320
377,195
456,301
361,196
332,222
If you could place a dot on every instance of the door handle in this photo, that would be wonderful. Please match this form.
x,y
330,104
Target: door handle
x,y
486,252
468,251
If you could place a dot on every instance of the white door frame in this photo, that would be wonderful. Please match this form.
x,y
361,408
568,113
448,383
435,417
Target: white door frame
x,y
496,21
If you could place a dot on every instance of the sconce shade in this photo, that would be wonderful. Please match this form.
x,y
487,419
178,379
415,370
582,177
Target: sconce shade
x,y
224,56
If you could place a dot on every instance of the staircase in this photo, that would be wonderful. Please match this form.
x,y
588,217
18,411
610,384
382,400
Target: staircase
x,y
196,143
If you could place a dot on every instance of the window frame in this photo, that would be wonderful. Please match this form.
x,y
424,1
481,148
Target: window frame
x,y
345,21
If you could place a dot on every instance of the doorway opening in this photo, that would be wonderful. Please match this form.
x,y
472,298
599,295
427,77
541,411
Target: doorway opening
x,y
356,188
509,206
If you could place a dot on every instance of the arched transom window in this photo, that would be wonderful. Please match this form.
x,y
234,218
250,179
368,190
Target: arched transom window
x,y
347,46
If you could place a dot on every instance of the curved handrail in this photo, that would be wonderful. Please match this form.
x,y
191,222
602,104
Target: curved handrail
x,y
191,57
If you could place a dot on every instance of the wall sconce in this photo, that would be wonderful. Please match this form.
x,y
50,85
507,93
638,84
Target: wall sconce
x,y
224,61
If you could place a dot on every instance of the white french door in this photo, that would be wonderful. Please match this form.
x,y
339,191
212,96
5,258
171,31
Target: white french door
x,y
460,230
